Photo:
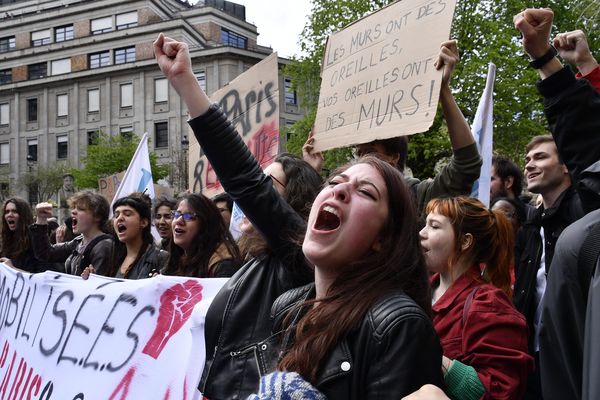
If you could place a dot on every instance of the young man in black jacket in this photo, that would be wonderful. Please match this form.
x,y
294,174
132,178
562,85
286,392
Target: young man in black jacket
x,y
572,107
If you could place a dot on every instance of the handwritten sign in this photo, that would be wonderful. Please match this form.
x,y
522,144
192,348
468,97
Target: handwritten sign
x,y
108,187
251,103
378,78
65,338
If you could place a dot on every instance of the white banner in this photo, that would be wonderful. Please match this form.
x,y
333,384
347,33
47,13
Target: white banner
x,y
65,338
483,132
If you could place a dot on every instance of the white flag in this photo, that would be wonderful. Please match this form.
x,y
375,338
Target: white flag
x,y
483,131
138,177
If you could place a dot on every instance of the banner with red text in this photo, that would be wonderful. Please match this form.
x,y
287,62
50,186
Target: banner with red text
x,y
64,338
251,103
379,79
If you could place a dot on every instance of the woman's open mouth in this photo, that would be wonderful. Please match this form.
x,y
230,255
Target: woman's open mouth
x,y
328,219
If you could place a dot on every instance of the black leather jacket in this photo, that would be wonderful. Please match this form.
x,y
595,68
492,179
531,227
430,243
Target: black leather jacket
x,y
566,210
238,322
394,351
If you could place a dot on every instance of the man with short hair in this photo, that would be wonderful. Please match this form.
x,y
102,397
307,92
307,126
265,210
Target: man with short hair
x,y
546,175
507,178
225,205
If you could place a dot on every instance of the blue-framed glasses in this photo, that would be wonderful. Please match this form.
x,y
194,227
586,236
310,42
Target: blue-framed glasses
x,y
187,216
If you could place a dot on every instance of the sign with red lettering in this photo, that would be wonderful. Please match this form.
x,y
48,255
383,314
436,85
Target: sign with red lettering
x,y
251,103
378,78
66,338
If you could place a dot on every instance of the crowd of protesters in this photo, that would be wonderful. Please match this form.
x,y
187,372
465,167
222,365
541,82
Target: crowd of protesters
x,y
370,284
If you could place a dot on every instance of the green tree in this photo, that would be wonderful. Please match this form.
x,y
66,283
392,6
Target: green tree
x,y
486,34
43,181
111,154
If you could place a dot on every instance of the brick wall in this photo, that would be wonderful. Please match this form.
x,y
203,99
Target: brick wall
x,y
19,73
81,28
79,62
147,16
210,31
23,40
144,51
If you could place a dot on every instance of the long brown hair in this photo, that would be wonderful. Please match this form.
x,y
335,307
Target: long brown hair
x,y
493,237
212,238
16,243
397,265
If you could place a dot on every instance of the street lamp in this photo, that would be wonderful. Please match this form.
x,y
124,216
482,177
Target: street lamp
x,y
33,192
185,143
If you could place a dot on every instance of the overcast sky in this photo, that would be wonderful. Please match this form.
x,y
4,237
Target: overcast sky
x,y
279,22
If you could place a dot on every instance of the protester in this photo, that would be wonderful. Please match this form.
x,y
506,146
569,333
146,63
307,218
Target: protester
x,y
513,209
572,107
225,205
483,336
549,177
163,207
135,256
16,244
202,246
297,185
282,227
89,213
457,177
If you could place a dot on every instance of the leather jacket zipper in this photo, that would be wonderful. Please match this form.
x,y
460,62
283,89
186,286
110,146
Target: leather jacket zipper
x,y
220,336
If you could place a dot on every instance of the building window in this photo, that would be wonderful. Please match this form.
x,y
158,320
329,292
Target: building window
x,y
7,44
161,134
32,110
201,78
62,147
233,39
5,76
62,105
126,95
126,132
4,114
98,60
58,67
38,71
124,55
32,150
4,153
63,33
93,100
127,20
290,94
93,137
40,38
101,25
161,90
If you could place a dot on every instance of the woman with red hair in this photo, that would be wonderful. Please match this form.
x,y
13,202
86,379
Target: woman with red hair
x,y
484,338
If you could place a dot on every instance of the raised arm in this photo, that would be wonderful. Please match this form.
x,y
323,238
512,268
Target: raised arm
x,y
236,167
458,176
571,105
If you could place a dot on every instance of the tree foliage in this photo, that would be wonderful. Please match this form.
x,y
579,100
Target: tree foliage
x,y
45,181
111,154
485,33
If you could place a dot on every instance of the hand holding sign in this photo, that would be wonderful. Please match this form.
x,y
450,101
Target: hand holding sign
x,y
378,77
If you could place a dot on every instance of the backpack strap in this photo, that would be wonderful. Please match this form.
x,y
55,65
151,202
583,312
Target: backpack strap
x,y
87,253
587,258
468,303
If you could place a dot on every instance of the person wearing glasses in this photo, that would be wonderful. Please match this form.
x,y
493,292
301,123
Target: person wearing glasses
x,y
135,256
202,246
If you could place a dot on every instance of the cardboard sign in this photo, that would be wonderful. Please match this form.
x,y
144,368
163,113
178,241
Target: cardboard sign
x,y
108,185
65,338
378,78
251,102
